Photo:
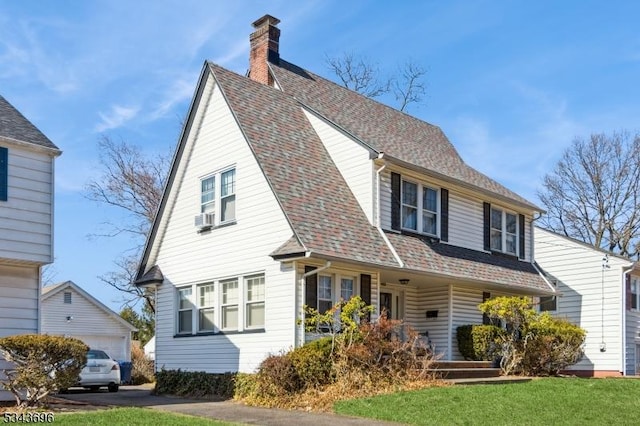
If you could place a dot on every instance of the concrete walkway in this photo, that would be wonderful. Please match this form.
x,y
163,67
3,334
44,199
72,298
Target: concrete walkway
x,y
140,396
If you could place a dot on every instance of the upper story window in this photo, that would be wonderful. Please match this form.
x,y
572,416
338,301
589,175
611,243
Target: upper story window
x,y
217,199
635,293
504,231
419,208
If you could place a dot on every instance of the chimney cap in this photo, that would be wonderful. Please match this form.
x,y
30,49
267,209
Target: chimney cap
x,y
266,20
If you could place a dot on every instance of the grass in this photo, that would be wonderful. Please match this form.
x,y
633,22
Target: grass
x,y
131,416
549,401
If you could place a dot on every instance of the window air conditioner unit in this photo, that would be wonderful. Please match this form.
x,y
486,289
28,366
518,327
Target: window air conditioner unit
x,y
204,220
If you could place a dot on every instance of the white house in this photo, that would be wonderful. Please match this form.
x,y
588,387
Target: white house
x,y
599,292
26,221
68,310
287,189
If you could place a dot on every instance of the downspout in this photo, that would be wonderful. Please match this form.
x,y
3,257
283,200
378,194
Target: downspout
x,y
303,286
623,318
378,226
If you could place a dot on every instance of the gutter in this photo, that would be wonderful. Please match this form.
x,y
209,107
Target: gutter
x,y
303,286
377,212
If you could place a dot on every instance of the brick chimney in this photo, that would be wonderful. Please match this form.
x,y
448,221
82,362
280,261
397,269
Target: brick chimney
x,y
264,47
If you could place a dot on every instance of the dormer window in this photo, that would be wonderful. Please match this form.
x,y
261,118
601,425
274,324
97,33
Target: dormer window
x,y
419,208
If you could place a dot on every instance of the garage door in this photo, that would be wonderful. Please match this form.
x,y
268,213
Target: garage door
x,y
115,346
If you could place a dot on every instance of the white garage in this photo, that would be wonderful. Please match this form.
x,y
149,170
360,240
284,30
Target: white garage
x,y
68,310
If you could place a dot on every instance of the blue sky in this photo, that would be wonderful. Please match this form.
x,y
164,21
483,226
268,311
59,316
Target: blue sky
x,y
510,82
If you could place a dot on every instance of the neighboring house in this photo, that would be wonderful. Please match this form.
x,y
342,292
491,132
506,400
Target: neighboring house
x,y
600,292
68,310
150,348
304,192
26,221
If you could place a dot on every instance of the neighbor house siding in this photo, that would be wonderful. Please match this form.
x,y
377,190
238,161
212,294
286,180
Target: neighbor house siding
x,y
26,216
19,286
632,340
351,159
589,296
88,322
187,256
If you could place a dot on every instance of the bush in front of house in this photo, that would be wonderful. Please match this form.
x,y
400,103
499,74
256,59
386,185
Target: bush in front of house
x,y
313,363
533,343
479,342
142,368
197,384
554,345
43,365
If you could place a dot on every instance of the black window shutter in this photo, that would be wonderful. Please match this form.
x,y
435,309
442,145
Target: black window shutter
x,y
521,236
4,173
444,214
311,288
487,225
365,290
395,201
485,318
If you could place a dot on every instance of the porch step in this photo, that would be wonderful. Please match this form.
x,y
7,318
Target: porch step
x,y
447,365
466,373
449,370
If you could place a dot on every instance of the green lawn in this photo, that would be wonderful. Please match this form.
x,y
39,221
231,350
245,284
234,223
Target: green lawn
x,y
130,416
549,401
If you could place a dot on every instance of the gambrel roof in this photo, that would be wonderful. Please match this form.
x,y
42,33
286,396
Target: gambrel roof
x,y
14,126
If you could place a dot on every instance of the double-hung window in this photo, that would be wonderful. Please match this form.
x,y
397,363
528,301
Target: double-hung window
x,y
229,304
346,288
254,308
185,311
419,208
218,197
635,293
228,196
325,293
504,231
206,308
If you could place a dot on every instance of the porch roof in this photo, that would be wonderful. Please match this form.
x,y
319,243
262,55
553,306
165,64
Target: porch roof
x,y
421,255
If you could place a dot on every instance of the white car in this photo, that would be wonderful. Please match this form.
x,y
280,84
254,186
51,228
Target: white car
x,y
100,371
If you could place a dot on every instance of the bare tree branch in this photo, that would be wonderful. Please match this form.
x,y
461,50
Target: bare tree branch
x,y
594,190
409,88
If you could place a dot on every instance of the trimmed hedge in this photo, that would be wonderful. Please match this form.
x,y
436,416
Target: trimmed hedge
x,y
479,342
197,384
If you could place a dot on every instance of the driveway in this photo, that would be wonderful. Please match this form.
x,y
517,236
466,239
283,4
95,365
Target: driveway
x,y
140,396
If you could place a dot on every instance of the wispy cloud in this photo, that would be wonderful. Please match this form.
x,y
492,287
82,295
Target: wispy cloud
x,y
181,90
115,118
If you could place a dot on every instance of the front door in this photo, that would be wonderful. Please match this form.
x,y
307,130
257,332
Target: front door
x,y
391,302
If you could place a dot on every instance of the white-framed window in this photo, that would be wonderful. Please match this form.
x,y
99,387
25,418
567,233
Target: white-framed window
x,y
206,308
208,195
229,305
635,293
325,293
185,311
218,196
220,304
254,305
347,288
504,231
228,196
419,208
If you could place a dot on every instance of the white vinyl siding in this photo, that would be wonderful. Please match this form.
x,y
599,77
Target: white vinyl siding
x,y
583,288
633,341
18,299
351,159
26,216
187,257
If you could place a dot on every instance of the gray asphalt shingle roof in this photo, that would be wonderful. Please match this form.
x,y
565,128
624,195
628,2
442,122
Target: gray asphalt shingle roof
x,y
14,125
384,129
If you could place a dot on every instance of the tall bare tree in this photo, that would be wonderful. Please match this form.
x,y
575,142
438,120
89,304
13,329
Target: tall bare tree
x,y
132,183
593,193
363,76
